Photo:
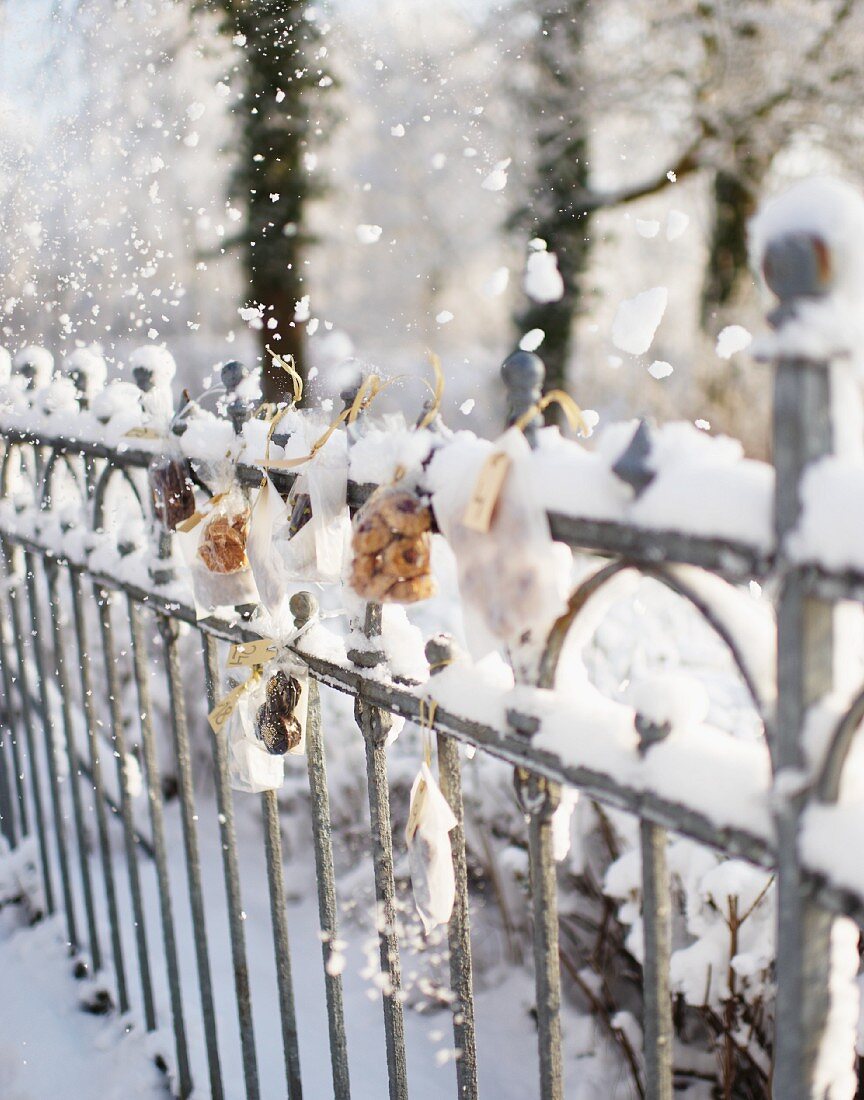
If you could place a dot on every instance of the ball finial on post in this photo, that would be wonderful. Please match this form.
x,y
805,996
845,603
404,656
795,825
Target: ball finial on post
x,y
523,373
796,266
304,608
238,409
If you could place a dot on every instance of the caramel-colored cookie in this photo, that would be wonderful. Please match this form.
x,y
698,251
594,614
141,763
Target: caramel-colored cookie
x,y
407,557
223,543
410,591
371,585
405,513
371,534
365,567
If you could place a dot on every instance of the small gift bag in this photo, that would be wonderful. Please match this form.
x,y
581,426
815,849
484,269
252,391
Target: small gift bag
x,y
314,542
213,544
392,547
268,522
267,724
430,857
172,490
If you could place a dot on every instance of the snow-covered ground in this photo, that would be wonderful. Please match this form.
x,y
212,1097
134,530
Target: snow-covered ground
x,y
49,1048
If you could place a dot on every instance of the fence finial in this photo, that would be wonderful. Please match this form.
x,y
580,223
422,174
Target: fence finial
x,y
523,373
796,266
35,365
238,409
441,650
304,607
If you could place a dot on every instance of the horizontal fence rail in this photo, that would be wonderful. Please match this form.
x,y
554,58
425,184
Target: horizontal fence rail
x,y
75,701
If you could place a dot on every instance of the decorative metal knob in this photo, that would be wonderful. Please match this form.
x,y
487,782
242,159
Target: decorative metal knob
x,y
796,266
523,373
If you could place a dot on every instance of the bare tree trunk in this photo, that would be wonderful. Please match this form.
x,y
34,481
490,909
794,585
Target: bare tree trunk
x,y
735,194
279,81
561,171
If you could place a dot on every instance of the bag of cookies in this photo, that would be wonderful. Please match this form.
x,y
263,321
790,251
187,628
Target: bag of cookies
x,y
172,490
392,545
268,724
213,544
430,857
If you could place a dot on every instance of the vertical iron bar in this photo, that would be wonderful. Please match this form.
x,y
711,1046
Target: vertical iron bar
x,y
48,724
805,644
375,725
6,800
52,575
228,836
12,560
547,970
458,930
157,829
276,884
304,607
118,736
439,653
539,798
168,629
523,374
84,661
657,999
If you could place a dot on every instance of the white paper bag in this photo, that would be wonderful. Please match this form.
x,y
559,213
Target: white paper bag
x,y
430,856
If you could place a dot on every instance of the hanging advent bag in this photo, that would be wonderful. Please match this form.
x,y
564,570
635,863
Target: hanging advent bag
x,y
430,857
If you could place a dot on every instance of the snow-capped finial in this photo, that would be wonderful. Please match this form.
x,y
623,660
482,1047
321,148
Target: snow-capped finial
x,y
523,373
152,368
666,703
35,365
88,372
809,245
441,650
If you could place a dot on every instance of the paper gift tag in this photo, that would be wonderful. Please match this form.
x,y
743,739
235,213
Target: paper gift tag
x,y
487,489
249,654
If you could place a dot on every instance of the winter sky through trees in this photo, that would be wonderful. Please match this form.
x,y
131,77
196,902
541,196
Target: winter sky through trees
x,y
632,137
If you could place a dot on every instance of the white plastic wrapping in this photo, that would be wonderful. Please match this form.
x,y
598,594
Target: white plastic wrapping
x,y
512,578
215,555
253,767
315,550
430,856
269,520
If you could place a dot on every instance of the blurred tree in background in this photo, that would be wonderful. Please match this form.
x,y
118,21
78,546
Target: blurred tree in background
x,y
280,121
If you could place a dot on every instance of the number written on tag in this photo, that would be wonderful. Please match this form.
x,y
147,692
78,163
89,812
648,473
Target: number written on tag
x,y
249,654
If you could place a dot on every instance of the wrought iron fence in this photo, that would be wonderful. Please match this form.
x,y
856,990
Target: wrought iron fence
x,y
56,675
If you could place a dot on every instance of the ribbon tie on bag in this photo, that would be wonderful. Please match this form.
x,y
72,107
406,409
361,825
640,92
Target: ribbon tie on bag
x,y
575,416
370,388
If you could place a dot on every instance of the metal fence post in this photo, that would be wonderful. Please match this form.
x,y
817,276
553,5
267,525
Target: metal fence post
x,y
304,607
440,653
805,643
523,374
657,1027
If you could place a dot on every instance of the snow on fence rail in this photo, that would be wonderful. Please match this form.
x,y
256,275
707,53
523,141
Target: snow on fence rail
x,y
684,509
